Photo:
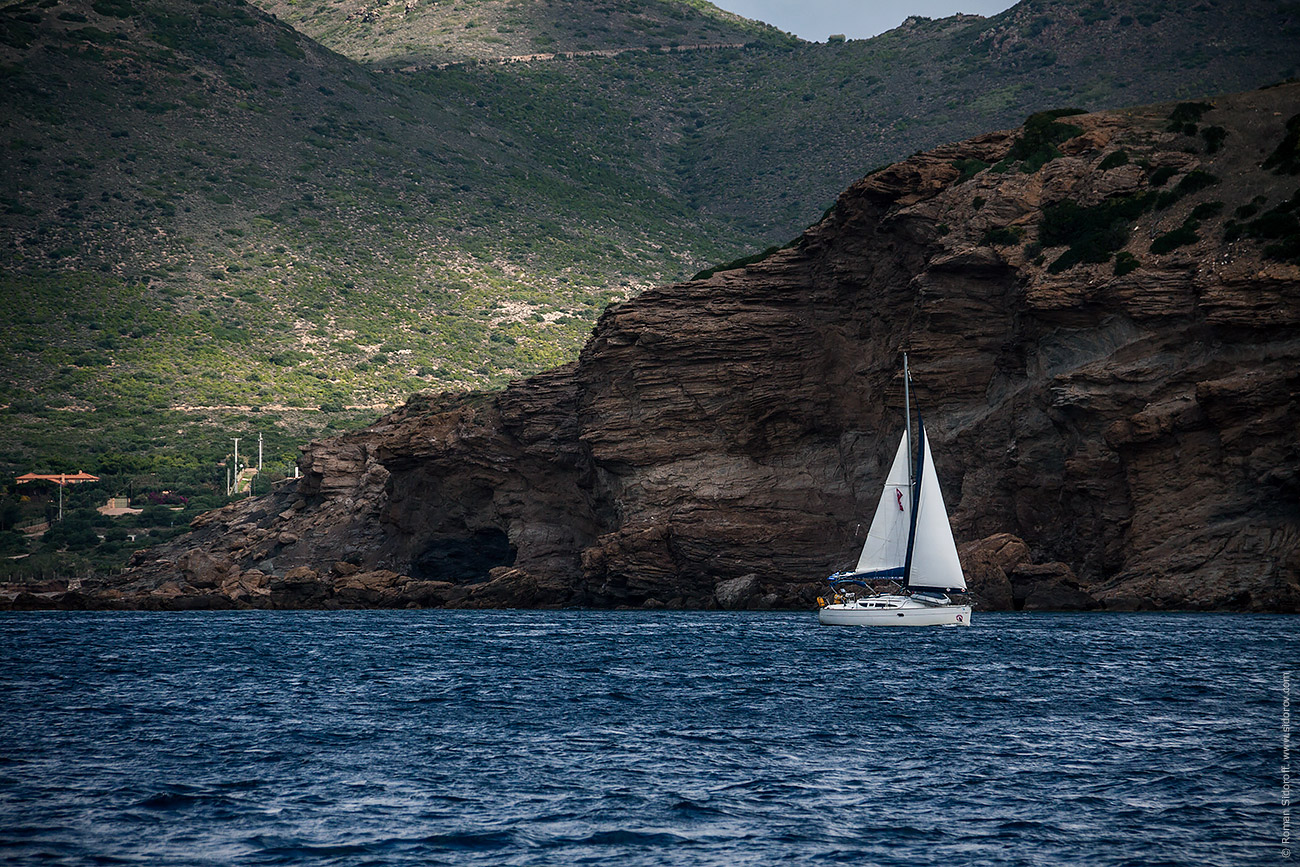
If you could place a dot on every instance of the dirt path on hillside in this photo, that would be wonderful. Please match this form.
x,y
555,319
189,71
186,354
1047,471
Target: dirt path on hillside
x,y
569,55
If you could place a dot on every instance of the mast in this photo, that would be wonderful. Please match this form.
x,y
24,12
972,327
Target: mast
x,y
916,506
914,471
907,415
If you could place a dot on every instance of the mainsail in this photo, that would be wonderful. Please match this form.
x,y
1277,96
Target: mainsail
x,y
886,547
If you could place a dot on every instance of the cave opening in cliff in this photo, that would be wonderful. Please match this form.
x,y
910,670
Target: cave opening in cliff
x,y
464,559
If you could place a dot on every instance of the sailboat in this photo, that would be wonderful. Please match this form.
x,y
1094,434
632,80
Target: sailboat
x,y
909,546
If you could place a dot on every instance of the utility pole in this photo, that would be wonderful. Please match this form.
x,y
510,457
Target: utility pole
x,y
236,487
259,451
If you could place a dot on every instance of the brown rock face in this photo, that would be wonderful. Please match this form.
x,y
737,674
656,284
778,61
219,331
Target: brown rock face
x,y
1048,587
723,442
988,564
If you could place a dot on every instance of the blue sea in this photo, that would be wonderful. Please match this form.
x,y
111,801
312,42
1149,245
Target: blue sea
x,y
630,738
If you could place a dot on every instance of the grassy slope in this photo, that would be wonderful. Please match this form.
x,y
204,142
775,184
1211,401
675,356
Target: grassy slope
x,y
208,210
203,208
393,35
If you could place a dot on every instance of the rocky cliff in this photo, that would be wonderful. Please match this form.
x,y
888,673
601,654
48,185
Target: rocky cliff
x,y
1102,313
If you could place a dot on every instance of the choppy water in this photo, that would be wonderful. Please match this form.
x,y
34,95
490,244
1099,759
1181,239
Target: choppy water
x,y
429,737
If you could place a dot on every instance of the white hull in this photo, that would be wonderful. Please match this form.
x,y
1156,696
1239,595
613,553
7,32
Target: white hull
x,y
893,611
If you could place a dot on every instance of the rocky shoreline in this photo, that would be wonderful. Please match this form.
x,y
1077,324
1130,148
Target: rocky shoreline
x,y
1000,570
1003,578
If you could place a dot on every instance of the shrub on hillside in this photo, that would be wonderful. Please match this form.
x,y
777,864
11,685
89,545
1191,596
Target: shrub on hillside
x,y
1043,131
1114,160
1125,263
1180,237
1185,114
1285,159
1003,235
1214,137
1091,233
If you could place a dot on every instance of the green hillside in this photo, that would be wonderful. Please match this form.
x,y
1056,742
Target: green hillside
x,y
189,225
214,225
391,35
